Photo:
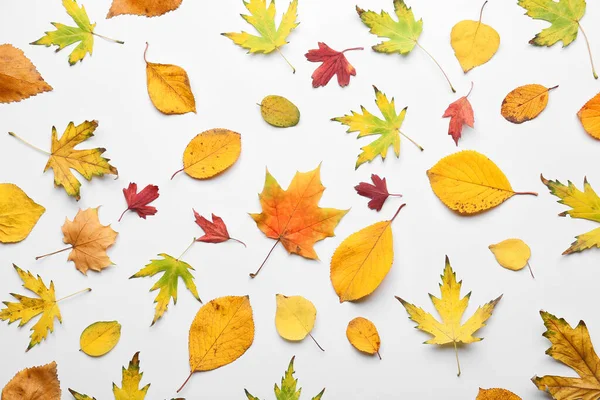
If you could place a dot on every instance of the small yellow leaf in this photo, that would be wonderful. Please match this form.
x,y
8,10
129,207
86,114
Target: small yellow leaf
x,y
295,317
18,213
363,335
169,88
210,153
496,394
99,338
589,115
19,79
525,103
511,253
279,111
35,383
468,182
147,8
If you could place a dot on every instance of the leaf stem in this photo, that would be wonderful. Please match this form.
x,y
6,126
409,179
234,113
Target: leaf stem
x,y
527,193
186,250
186,381
379,355
54,252
266,258
122,215
412,141
286,60
315,340
457,361
28,144
530,270
107,38
587,42
353,48
481,12
176,172
395,215
470,90
74,294
439,66
238,240
145,51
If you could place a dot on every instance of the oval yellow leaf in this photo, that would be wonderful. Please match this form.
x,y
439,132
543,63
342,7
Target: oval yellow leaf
x,y
496,394
169,88
18,213
525,103
363,335
512,254
362,261
474,43
468,182
210,153
589,115
221,332
99,338
279,111
295,317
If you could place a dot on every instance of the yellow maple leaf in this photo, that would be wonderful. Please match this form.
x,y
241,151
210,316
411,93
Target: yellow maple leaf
x,y
130,384
29,307
451,308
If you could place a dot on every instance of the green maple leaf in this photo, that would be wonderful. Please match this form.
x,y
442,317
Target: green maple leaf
x,y
65,35
564,15
173,269
288,389
368,124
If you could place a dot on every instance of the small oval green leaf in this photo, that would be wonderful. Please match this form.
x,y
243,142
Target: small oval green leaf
x,y
279,111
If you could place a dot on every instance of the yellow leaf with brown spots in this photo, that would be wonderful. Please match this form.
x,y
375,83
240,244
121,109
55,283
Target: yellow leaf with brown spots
x,y
525,103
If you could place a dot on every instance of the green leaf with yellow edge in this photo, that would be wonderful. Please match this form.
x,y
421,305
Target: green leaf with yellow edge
x,y
65,35
288,389
28,308
18,213
564,15
451,308
584,205
270,37
574,348
172,269
388,128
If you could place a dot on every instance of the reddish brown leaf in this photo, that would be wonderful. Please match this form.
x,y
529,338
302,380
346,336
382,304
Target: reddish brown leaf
x,y
215,231
460,113
138,202
377,192
334,62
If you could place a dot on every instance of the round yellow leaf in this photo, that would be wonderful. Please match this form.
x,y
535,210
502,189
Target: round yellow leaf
x,y
474,43
525,103
496,394
210,153
279,111
363,335
511,253
589,115
295,317
18,213
99,338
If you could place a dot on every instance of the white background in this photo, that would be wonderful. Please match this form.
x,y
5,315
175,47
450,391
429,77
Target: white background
x,y
147,147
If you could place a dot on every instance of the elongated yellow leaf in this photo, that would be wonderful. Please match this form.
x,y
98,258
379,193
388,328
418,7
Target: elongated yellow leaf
x,y
468,182
362,261
100,337
363,335
295,317
512,254
525,103
18,213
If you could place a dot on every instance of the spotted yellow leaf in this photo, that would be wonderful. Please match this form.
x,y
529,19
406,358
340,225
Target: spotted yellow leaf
x,y
525,103
363,335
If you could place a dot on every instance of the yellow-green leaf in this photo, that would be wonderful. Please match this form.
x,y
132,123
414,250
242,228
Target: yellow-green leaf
x,y
279,111
79,396
18,213
130,384
100,337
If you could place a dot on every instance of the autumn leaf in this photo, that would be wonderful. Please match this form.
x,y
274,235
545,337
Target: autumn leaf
x,y
28,308
279,112
64,157
451,308
79,396
468,182
19,79
288,389
589,115
496,394
210,153
460,113
403,34
221,332
333,63
65,35
363,335
585,205
525,103
18,213
564,15
512,254
293,217
367,124
377,192
574,348
138,202
474,42
30,382
262,18
215,231
362,260
295,318
172,269
100,337
147,8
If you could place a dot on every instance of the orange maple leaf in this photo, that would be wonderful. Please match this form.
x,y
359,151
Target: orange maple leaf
x,y
293,216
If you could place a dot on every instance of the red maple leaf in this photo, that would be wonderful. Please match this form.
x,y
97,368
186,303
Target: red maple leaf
x,y
215,231
377,192
138,202
334,62
460,113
